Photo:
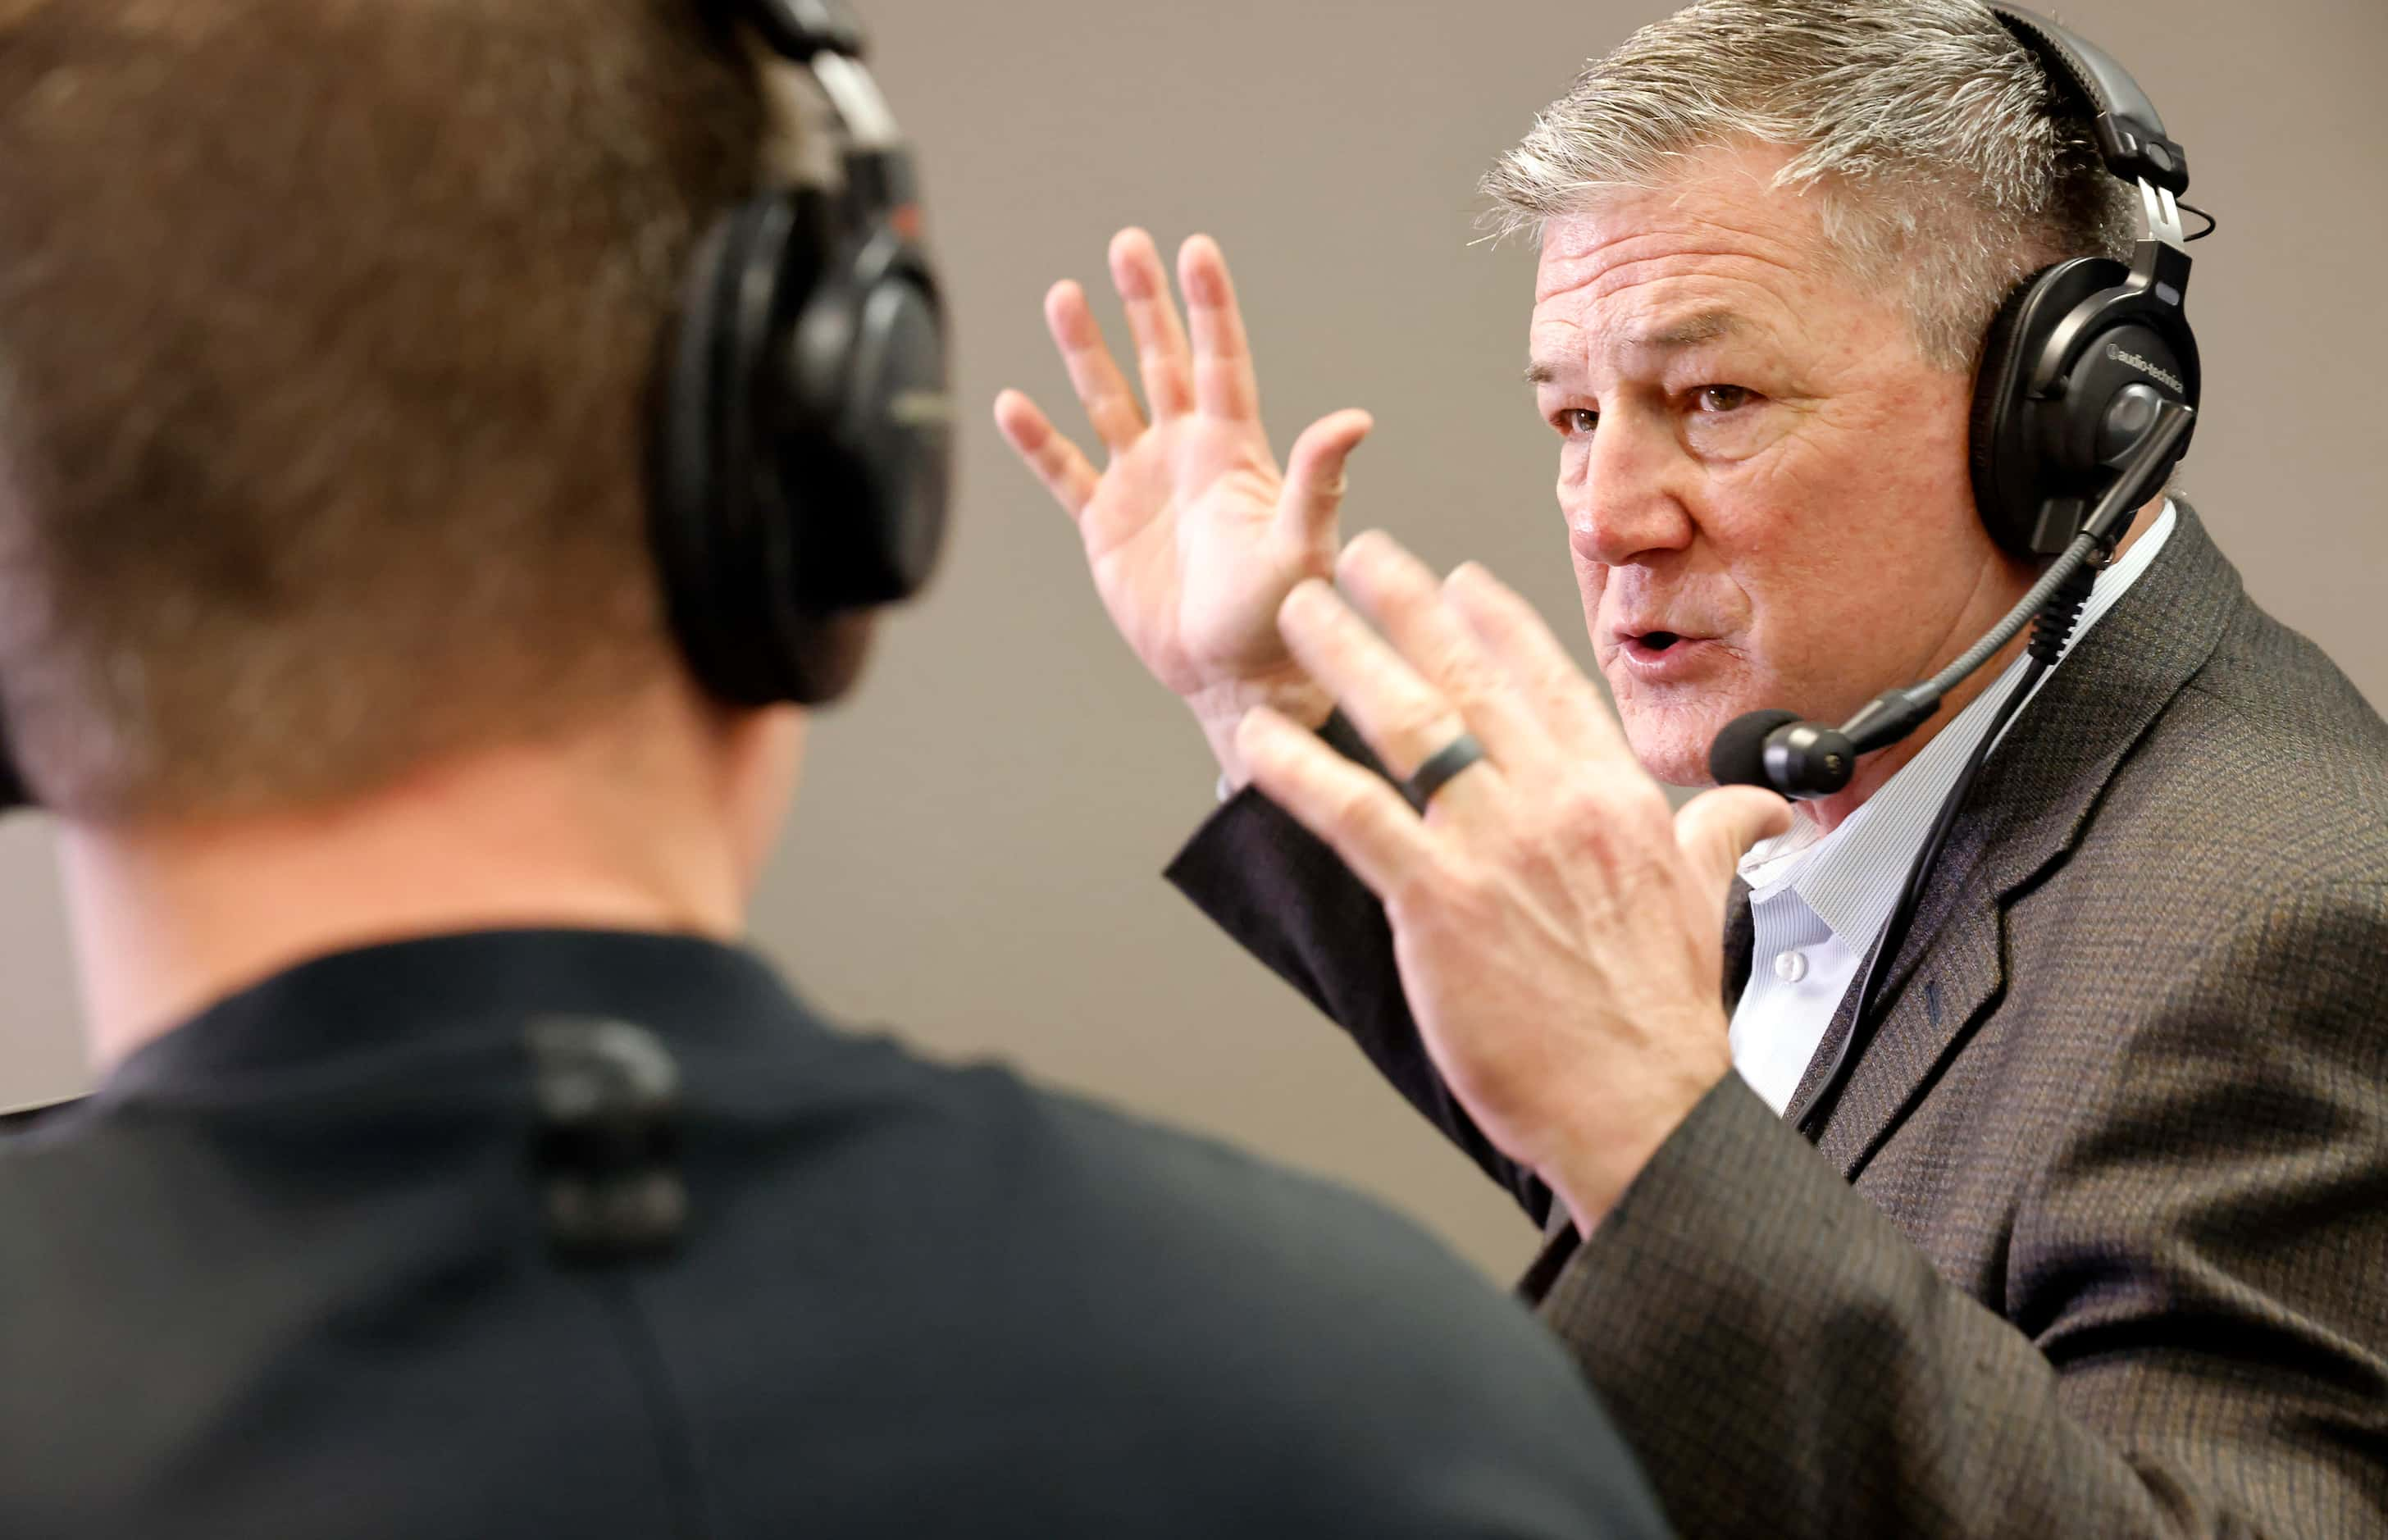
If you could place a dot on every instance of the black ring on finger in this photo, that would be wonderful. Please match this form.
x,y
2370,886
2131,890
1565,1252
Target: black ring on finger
x,y
1439,769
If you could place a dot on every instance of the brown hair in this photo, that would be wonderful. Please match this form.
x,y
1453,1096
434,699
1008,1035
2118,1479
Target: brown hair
x,y
325,328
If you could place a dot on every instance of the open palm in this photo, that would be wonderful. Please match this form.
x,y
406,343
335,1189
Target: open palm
x,y
1193,535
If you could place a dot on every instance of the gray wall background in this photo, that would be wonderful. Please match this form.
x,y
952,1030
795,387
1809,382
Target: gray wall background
x,y
975,856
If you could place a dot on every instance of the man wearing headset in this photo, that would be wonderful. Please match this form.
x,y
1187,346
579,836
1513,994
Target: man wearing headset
x,y
2072,1218
453,1173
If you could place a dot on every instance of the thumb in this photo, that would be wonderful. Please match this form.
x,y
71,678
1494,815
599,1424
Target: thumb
x,y
1314,481
1717,828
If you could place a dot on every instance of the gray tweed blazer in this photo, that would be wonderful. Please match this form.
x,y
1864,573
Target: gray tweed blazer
x,y
2093,1238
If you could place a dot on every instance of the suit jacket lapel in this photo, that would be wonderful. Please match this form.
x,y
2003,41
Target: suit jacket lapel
x,y
1946,978
1740,944
2026,811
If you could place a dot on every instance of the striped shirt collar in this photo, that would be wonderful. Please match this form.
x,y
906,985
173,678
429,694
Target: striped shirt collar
x,y
1851,877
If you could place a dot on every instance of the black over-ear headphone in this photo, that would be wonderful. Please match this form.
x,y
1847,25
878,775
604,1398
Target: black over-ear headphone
x,y
800,464
2082,354
801,460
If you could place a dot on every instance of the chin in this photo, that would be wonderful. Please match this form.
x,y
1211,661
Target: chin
x,y
1672,743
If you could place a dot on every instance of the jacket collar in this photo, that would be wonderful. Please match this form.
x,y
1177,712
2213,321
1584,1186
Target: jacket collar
x,y
328,1017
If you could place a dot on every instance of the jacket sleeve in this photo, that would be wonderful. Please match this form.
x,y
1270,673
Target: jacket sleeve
x,y
1290,901
2193,1332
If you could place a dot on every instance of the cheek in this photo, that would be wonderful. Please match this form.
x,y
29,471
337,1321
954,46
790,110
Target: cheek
x,y
1853,544
1900,455
1857,500
1591,582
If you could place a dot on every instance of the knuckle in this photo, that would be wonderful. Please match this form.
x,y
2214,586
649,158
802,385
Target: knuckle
x,y
1355,806
1462,673
1583,809
1471,888
1430,895
1645,808
1418,728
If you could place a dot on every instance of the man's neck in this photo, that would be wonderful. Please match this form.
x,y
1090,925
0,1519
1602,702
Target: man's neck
x,y
170,919
1829,813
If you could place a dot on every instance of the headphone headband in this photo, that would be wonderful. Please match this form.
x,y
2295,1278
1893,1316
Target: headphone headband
x,y
822,38
803,29
2131,137
2080,359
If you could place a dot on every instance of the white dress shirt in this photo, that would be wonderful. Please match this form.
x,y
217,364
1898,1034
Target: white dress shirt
x,y
1818,901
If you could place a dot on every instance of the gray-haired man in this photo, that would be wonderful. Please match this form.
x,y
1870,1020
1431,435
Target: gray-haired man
x,y
2094,1243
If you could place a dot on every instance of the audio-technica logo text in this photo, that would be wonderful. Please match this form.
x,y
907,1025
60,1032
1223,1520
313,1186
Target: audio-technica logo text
x,y
2143,366
919,408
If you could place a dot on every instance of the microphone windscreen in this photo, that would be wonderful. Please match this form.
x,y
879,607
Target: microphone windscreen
x,y
1738,755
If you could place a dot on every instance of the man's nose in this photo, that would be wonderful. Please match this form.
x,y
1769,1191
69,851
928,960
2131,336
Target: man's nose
x,y
1629,495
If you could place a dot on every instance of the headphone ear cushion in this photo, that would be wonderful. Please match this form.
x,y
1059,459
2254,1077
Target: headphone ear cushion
x,y
1996,382
702,516
877,455
683,451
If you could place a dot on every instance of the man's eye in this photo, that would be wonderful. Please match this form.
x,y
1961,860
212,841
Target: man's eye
x,y
1723,397
1575,420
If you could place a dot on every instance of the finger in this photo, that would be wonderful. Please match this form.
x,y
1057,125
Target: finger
x,y
1225,385
1570,709
1355,812
1396,591
1102,389
1717,828
1161,349
1055,460
1400,716
1313,478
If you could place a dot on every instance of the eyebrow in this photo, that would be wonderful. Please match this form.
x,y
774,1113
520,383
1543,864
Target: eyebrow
x,y
1689,332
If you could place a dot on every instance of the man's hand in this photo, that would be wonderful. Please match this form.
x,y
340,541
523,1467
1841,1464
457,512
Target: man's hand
x,y
1193,536
1559,931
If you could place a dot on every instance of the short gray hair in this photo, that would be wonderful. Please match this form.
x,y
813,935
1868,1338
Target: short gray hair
x,y
1921,126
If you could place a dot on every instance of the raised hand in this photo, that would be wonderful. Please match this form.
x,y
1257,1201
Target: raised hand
x,y
1557,928
1193,535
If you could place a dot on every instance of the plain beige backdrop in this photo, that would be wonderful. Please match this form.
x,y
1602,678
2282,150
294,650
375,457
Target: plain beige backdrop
x,y
975,856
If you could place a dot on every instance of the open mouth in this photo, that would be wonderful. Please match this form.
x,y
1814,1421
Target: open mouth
x,y
1664,654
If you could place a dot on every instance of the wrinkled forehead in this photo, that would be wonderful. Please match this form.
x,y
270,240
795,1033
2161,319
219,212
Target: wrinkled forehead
x,y
1720,254
1724,205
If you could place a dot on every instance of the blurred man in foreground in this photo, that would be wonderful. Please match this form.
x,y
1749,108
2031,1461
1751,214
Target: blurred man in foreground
x,y
406,605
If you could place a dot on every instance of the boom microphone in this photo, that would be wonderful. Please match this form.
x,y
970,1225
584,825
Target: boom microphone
x,y
1738,755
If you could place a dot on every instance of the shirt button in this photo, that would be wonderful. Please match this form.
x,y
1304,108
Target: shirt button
x,y
1791,967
